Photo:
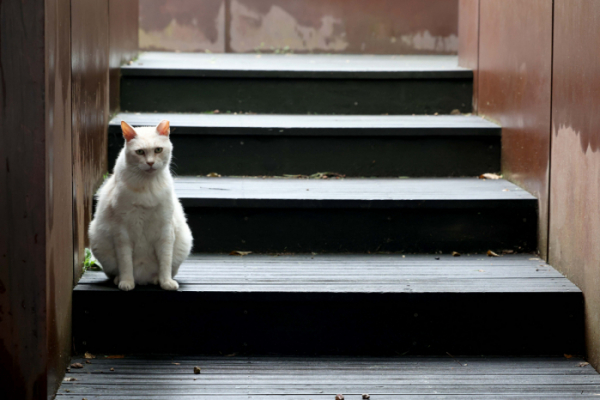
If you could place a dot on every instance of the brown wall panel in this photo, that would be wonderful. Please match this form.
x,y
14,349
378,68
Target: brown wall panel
x,y
574,238
332,26
59,197
90,83
468,48
35,205
123,30
515,66
22,202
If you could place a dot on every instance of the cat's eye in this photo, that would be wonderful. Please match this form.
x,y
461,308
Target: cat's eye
x,y
158,150
140,152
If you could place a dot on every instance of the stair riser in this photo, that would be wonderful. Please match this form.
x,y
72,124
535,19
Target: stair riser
x,y
328,324
360,230
392,156
296,96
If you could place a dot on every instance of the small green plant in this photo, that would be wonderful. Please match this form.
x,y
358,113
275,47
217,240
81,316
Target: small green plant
x,y
89,263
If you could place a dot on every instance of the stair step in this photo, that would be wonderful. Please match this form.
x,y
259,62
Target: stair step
x,y
382,146
358,215
296,84
338,304
237,378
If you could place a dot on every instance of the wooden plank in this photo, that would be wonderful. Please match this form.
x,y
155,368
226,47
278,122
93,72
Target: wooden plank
x,y
373,146
314,125
321,378
295,66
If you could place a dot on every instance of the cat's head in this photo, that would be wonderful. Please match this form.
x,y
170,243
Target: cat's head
x,y
147,148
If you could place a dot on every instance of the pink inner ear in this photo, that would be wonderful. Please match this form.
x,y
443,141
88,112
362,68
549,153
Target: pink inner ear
x,y
128,131
163,128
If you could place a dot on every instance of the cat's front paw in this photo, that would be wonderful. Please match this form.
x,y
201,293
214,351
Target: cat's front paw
x,y
126,285
169,284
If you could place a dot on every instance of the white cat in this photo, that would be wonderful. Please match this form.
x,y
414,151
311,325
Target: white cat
x,y
139,233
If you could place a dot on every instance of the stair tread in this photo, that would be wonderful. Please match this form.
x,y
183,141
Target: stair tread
x,y
518,273
295,66
235,378
346,192
280,125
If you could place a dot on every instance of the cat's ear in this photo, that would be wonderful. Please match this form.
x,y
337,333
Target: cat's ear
x,y
163,128
128,131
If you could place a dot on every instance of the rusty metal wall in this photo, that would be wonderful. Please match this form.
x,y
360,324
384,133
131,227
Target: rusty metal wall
x,y
123,19
515,67
301,26
36,201
90,101
574,246
468,48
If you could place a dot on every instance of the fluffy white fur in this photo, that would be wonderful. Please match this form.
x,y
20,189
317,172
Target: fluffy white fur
x,y
139,233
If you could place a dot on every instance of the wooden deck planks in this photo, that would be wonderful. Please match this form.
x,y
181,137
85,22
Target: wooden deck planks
x,y
294,66
322,378
361,274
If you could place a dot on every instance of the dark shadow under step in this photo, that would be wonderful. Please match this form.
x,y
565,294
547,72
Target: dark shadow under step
x,y
296,84
345,304
358,215
381,146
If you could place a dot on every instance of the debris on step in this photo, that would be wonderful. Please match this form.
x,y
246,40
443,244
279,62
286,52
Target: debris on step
x,y
213,175
77,365
69,379
339,397
240,253
490,175
490,253
584,364
455,254
88,355
197,370
366,396
455,112
112,369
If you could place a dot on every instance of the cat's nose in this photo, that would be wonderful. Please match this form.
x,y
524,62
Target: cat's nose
x,y
150,163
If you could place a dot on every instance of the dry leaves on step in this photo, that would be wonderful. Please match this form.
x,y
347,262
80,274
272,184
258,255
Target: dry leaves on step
x,y
240,253
89,355
117,356
339,397
366,396
508,252
213,175
489,176
112,369
568,356
584,364
455,112
455,254
77,365
492,254
326,175
69,379
197,370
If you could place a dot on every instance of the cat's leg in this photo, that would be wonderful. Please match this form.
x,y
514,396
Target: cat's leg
x,y
182,245
124,251
103,250
164,253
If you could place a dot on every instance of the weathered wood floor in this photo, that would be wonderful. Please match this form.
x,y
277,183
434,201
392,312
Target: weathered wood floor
x,y
236,378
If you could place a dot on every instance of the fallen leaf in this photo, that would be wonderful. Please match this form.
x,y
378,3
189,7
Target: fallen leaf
x,y
88,362
480,270
492,254
176,363
240,253
568,356
196,370
89,355
455,254
77,365
508,251
213,175
112,369
69,379
339,397
455,112
119,356
366,396
489,176
231,355
584,364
